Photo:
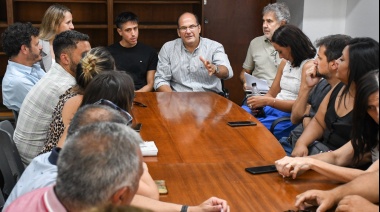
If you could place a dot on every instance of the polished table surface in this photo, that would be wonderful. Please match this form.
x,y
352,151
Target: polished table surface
x,y
200,156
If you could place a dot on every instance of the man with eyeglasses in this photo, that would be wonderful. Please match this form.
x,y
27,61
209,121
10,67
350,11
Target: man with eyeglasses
x,y
191,63
262,59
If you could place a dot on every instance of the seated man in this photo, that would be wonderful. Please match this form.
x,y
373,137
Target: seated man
x,y
46,164
131,56
191,63
262,59
100,163
37,109
21,44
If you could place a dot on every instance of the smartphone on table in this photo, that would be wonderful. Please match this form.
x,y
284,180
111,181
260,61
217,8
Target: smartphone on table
x,y
261,169
241,123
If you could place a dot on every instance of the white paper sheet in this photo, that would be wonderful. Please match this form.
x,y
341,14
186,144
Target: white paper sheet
x,y
262,85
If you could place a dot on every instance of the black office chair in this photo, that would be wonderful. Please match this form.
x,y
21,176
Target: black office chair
x,y
10,150
226,92
2,199
8,180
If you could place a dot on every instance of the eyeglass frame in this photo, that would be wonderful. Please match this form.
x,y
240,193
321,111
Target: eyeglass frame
x,y
108,103
191,28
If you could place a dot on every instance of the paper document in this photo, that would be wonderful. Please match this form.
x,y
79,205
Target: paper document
x,y
148,148
262,85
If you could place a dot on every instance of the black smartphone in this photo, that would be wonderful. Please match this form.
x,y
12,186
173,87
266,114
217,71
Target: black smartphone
x,y
261,169
136,127
241,123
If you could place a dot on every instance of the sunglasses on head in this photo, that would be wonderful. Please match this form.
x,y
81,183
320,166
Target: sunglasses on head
x,y
124,113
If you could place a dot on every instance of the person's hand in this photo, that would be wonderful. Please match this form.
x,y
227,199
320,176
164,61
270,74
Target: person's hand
x,y
257,101
211,68
311,76
300,151
212,204
289,166
355,203
325,200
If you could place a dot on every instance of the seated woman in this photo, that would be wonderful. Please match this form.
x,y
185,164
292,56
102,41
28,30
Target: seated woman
x,y
118,88
297,51
364,140
333,121
57,18
95,61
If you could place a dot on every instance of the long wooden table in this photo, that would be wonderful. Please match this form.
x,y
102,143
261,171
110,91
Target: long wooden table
x,y
200,156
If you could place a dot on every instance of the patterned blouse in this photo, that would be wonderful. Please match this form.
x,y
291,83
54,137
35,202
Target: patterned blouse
x,y
57,127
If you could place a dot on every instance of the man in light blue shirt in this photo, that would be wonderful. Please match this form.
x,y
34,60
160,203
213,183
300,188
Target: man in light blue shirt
x,y
191,63
21,44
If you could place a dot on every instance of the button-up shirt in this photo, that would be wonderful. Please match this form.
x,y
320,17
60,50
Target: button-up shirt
x,y
36,112
184,71
17,82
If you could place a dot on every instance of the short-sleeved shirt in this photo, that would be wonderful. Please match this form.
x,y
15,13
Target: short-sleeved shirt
x,y
36,112
41,172
183,71
17,82
136,61
42,200
262,58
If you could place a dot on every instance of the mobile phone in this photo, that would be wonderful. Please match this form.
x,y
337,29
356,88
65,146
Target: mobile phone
x,y
261,169
161,186
241,123
136,127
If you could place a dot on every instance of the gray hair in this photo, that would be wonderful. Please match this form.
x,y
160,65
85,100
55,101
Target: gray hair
x,y
98,160
90,114
281,11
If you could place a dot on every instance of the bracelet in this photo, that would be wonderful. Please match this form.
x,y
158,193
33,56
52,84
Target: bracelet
x,y
274,101
184,208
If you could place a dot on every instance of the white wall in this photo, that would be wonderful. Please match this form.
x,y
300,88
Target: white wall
x,y
318,18
362,18
324,17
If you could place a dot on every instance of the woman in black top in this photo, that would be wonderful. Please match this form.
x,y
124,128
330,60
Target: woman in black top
x,y
333,120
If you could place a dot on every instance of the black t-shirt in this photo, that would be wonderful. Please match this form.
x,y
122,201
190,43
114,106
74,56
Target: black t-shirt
x,y
136,61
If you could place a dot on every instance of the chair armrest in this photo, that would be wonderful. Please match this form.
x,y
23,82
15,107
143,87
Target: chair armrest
x,y
278,121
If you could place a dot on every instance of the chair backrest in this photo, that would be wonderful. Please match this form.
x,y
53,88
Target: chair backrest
x,y
2,200
8,180
7,126
10,149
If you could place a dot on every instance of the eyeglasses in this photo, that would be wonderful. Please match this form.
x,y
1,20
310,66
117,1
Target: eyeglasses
x,y
274,55
124,113
191,28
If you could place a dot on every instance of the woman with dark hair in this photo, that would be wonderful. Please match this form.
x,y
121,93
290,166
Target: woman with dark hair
x,y
115,86
365,127
365,139
333,120
297,52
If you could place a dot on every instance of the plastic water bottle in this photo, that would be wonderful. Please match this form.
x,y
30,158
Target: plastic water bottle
x,y
256,92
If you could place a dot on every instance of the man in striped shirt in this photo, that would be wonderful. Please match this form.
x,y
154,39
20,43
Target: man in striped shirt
x,y
191,63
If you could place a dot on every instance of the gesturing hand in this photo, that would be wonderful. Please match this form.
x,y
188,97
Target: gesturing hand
x,y
211,68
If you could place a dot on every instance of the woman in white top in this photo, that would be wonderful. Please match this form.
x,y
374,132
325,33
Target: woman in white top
x,y
297,51
57,19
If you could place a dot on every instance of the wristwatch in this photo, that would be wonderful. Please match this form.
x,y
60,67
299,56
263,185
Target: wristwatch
x,y
216,70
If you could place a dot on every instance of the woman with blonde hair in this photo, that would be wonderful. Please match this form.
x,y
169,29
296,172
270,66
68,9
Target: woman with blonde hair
x,y
57,19
95,61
